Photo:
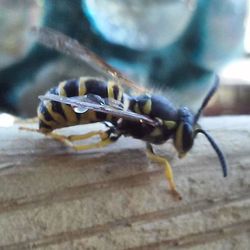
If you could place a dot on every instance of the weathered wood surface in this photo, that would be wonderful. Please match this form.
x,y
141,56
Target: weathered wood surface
x,y
114,198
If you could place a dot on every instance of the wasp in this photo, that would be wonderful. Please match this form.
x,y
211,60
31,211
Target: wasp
x,y
149,117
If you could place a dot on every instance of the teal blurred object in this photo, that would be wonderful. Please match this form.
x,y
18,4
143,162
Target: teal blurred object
x,y
182,42
173,46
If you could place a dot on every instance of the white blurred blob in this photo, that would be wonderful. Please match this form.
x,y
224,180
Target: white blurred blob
x,y
6,120
247,35
140,24
237,70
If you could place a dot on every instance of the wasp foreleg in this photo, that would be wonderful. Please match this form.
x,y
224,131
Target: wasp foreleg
x,y
168,170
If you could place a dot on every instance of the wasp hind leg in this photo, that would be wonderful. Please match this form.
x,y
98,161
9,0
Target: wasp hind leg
x,y
53,135
105,139
29,129
168,170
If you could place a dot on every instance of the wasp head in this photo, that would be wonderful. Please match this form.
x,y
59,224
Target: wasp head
x,y
186,132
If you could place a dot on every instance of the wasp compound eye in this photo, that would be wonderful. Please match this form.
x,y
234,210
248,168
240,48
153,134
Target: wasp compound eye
x,y
187,137
183,138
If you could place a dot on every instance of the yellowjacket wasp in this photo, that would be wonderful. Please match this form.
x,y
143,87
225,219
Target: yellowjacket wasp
x,y
151,118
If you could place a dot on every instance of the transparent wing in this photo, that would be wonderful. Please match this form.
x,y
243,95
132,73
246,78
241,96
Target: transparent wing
x,y
99,100
64,44
85,103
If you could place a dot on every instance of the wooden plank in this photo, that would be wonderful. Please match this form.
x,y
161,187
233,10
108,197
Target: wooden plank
x,y
115,198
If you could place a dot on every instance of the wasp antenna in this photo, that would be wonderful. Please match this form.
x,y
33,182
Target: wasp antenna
x,y
208,97
216,148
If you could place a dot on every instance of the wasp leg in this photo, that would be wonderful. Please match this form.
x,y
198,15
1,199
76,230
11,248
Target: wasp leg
x,y
100,144
105,139
30,129
60,138
103,135
68,140
168,170
26,121
55,136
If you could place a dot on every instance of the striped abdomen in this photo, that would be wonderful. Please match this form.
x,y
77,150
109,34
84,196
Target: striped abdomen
x,y
54,115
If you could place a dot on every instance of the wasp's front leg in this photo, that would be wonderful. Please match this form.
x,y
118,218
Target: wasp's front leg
x,y
168,170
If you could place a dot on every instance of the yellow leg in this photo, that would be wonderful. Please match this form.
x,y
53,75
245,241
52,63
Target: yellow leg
x,y
26,121
68,140
30,129
103,135
60,138
168,172
100,144
55,136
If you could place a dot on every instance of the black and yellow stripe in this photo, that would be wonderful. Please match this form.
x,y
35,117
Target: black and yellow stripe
x,y
54,115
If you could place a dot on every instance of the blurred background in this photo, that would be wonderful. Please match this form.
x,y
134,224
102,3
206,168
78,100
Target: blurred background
x,y
174,47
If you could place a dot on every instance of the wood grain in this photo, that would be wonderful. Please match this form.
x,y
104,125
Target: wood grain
x,y
115,198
